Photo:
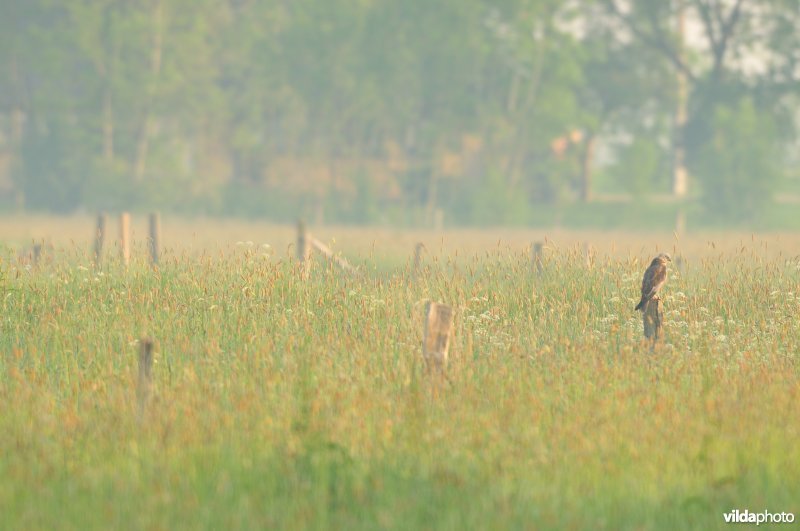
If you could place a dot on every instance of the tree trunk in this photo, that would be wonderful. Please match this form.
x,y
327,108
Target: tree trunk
x,y
513,91
520,148
106,70
108,125
586,167
433,188
143,143
17,129
680,180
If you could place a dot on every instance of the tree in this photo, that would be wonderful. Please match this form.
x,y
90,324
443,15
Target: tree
x,y
114,86
626,89
747,48
529,74
355,108
739,165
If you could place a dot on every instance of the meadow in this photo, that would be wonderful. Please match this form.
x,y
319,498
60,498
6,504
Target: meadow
x,y
291,399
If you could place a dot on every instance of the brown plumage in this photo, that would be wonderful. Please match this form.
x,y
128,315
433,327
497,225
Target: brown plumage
x,y
654,278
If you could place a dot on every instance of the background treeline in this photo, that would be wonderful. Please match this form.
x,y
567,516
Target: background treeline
x,y
365,111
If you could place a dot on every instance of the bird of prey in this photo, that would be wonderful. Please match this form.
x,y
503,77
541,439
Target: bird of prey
x,y
654,278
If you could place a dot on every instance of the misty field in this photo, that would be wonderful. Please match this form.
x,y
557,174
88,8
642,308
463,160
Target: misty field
x,y
284,400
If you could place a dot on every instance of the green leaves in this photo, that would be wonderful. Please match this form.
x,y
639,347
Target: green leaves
x,y
349,110
739,166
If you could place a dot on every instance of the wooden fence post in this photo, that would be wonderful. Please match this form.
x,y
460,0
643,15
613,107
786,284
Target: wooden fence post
x,y
436,338
536,257
100,237
145,374
155,237
37,253
303,245
317,245
124,237
653,320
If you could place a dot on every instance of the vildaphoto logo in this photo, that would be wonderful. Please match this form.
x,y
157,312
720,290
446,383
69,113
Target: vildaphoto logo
x,y
765,517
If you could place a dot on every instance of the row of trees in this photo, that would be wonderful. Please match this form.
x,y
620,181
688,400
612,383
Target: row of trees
x,y
354,109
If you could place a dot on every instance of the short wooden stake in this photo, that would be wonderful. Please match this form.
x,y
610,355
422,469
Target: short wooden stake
x,y
143,389
124,237
536,257
37,253
436,338
155,237
100,238
653,320
303,244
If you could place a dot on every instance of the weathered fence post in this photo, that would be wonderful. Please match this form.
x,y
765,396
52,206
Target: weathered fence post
x,y
536,257
653,320
436,338
145,382
37,253
326,251
124,237
155,237
100,237
303,245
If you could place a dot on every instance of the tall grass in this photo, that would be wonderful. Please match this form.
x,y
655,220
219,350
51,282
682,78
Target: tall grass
x,y
284,400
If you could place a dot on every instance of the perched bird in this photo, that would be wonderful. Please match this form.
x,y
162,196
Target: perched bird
x,y
654,278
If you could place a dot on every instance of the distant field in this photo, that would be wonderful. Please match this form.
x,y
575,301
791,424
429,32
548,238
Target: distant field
x,y
289,401
371,243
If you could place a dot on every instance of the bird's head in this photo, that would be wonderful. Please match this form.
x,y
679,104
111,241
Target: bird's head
x,y
663,258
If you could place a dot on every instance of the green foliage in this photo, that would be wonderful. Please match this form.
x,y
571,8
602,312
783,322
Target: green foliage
x,y
178,103
53,171
640,167
490,202
740,166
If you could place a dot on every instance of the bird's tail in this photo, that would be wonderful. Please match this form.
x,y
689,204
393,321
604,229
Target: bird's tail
x,y
641,304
